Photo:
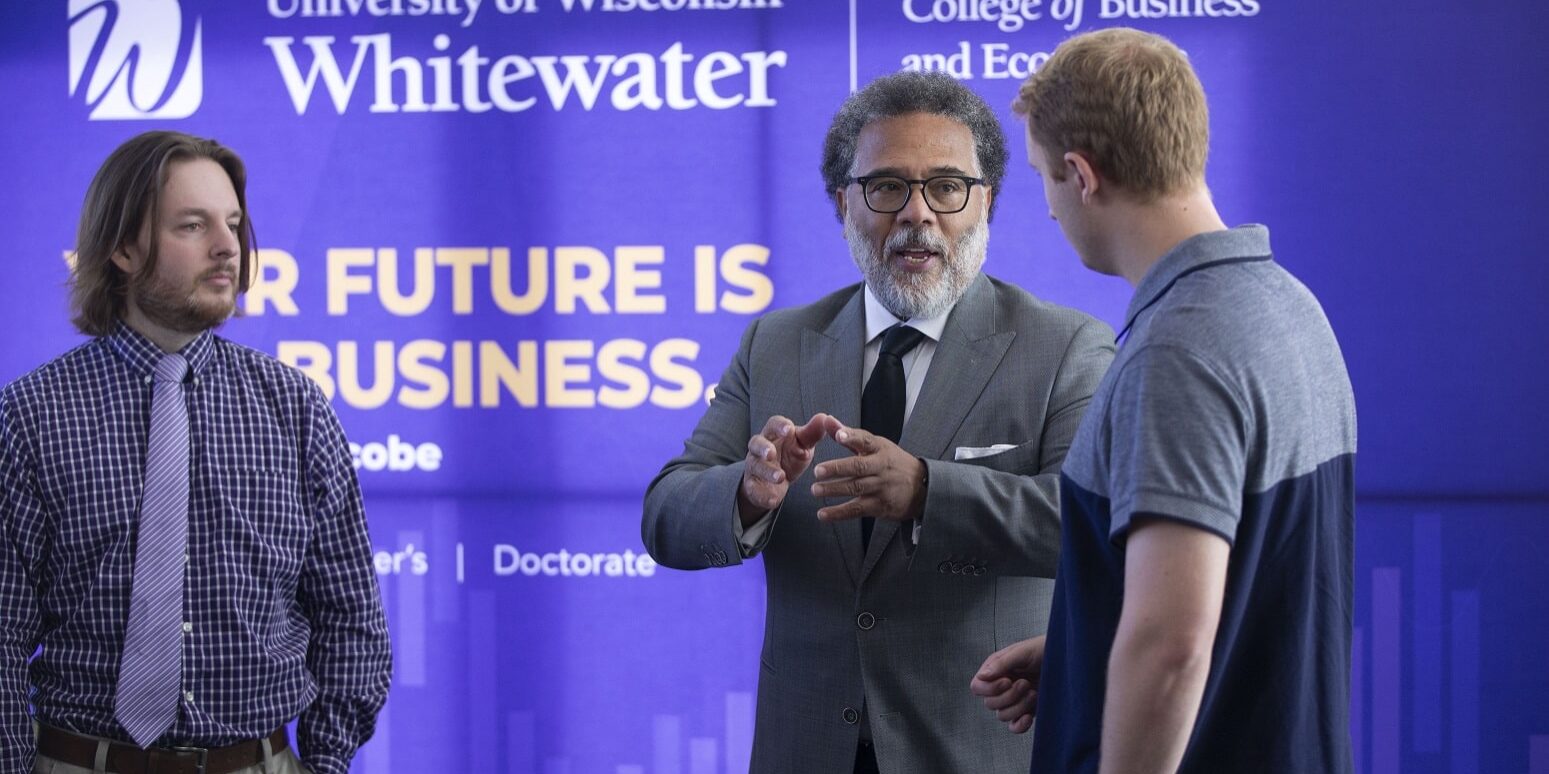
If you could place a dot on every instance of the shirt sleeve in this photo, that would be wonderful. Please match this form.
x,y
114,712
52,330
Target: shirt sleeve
x,y
349,654
753,538
21,510
1179,431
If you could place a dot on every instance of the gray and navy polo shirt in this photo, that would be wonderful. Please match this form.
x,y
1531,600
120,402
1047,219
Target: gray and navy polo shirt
x,y
1228,408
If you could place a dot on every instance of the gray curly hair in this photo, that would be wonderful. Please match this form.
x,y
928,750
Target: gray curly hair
x,y
912,92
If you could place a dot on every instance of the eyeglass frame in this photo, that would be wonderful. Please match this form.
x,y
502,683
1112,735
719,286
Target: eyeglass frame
x,y
967,180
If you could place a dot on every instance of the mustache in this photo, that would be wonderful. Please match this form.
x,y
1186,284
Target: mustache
x,y
229,272
916,239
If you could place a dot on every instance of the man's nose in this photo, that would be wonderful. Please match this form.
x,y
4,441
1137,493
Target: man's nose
x,y
226,243
916,209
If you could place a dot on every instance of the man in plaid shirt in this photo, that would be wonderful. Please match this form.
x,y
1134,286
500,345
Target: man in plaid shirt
x,y
181,529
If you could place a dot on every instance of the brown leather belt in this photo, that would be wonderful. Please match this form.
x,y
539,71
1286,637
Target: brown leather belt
x,y
124,758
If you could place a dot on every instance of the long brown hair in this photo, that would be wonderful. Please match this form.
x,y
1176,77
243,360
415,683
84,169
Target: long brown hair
x,y
122,200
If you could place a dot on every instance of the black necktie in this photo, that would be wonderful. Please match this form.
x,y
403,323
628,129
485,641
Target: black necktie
x,y
886,393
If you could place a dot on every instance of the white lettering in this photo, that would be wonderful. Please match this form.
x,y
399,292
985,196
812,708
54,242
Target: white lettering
x,y
395,456
1007,15
715,66
392,563
508,70
299,88
386,67
999,64
576,78
719,80
562,563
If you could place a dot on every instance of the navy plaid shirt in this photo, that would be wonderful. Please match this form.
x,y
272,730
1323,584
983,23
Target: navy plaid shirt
x,y
283,615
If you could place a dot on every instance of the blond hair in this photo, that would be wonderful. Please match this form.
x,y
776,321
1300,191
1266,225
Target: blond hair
x,y
1127,100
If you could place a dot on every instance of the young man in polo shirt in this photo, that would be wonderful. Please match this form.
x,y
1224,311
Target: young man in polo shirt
x,y
1202,607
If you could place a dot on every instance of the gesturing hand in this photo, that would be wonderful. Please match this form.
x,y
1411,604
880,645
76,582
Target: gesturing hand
x,y
778,455
882,479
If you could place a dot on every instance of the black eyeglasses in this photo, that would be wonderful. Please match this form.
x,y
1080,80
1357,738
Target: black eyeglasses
x,y
944,194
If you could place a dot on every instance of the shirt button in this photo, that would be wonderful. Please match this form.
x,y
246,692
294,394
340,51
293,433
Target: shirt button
x,y
850,716
150,380
866,621
189,695
188,627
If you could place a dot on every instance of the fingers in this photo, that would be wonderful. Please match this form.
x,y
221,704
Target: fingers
x,y
777,427
885,497
831,424
884,479
1021,725
995,675
997,665
808,435
855,439
866,505
763,461
1014,702
758,495
1019,659
849,467
851,487
854,509
983,687
877,456
1008,703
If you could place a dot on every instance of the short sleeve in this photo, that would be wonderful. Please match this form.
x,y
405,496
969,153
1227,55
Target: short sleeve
x,y
1179,432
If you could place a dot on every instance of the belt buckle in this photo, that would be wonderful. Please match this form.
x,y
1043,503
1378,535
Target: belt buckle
x,y
202,756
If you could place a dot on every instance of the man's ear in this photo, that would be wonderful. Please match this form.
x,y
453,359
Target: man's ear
x,y
841,203
122,260
1086,175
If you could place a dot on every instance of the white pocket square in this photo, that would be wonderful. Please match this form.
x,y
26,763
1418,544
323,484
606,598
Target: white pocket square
x,y
975,452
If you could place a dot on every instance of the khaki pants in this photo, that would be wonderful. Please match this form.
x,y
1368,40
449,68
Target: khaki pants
x,y
283,762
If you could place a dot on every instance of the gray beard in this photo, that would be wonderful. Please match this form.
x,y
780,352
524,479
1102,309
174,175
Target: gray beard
x,y
919,296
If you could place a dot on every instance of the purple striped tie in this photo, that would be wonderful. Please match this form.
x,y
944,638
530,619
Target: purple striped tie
x,y
151,673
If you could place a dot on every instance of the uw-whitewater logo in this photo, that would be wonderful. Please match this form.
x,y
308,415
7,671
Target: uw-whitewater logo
x,y
135,59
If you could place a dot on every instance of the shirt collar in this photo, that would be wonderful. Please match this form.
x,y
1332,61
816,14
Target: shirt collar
x,y
1247,241
142,354
879,319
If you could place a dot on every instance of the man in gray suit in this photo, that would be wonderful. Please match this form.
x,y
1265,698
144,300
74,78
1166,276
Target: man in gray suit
x,y
911,523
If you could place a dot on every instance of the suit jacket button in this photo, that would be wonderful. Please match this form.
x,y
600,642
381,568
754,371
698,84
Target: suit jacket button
x,y
866,621
957,568
981,570
851,716
944,568
713,554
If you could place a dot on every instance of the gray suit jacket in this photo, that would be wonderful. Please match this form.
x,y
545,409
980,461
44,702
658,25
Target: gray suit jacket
x,y
900,630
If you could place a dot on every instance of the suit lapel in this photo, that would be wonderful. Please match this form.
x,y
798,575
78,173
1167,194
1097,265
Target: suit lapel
x,y
831,382
966,357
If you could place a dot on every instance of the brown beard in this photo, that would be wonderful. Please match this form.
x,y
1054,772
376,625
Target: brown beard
x,y
178,309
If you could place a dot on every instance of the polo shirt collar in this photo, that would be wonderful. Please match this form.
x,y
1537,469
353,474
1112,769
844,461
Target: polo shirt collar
x,y
1243,242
